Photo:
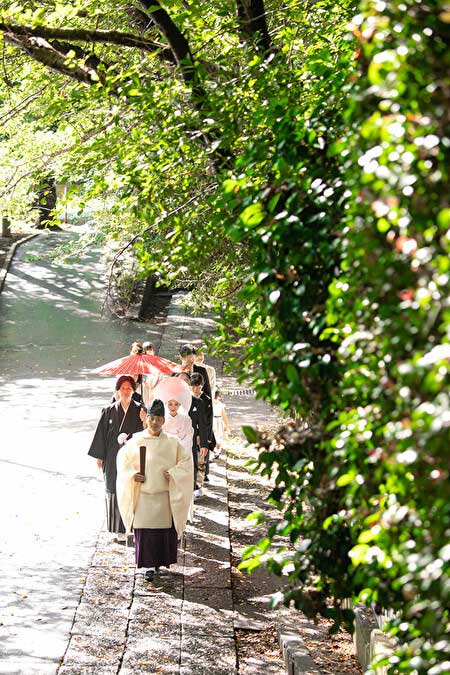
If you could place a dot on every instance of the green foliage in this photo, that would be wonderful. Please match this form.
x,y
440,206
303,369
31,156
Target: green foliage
x,y
302,191
362,481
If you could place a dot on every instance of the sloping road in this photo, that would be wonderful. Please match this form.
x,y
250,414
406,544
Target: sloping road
x,y
51,498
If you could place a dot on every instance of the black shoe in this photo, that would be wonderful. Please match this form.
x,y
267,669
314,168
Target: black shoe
x,y
206,479
149,575
122,542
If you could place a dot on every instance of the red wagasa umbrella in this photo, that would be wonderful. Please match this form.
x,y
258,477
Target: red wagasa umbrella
x,y
138,364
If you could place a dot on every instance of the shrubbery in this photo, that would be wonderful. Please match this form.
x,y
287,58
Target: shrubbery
x,y
291,163
353,281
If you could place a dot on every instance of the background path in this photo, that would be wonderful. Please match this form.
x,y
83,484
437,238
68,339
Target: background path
x,y
51,499
71,602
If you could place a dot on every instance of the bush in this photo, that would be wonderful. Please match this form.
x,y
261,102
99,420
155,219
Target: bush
x,y
353,280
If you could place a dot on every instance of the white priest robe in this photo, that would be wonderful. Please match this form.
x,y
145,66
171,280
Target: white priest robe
x,y
157,501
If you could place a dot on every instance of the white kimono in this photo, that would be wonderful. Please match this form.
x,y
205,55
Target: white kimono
x,y
157,501
180,426
212,379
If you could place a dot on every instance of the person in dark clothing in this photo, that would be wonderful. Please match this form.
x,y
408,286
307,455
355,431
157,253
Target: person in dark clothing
x,y
200,439
121,418
203,454
187,355
197,384
136,396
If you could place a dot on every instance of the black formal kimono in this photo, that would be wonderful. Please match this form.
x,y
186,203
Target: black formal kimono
x,y
209,422
200,426
105,446
202,370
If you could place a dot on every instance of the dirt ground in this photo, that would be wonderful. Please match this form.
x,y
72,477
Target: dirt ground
x,y
6,242
257,640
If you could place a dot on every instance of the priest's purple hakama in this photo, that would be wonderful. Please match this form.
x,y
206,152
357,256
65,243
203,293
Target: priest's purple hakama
x,y
155,548
157,507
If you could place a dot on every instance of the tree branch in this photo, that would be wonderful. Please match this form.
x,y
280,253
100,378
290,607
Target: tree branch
x,y
177,42
160,220
55,54
252,18
20,107
82,35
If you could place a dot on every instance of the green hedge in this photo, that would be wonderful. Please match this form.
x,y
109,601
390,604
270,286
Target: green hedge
x,y
347,322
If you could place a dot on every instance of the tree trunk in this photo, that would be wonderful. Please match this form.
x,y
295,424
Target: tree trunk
x,y
46,203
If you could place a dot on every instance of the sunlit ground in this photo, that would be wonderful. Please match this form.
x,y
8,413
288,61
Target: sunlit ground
x,y
51,496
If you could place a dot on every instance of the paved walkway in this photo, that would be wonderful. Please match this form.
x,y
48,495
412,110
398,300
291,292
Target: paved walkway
x,y
183,623
51,498
73,603
66,594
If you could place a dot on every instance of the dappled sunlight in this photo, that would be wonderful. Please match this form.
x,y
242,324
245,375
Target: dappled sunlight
x,y
51,321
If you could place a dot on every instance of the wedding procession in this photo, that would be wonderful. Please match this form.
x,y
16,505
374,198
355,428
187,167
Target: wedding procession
x,y
155,446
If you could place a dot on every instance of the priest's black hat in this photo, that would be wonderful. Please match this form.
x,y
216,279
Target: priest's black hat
x,y
156,408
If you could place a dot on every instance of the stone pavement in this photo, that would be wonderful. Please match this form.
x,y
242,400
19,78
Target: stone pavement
x,y
183,622
82,607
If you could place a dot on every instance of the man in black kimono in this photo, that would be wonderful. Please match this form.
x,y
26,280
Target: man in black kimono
x,y
121,418
200,438
187,355
197,388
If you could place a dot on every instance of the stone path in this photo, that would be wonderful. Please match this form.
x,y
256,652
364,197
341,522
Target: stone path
x,y
183,622
80,606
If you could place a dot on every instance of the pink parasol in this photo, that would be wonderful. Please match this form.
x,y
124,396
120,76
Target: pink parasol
x,y
138,364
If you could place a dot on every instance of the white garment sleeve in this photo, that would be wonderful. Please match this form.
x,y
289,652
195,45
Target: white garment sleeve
x,y
127,489
181,484
188,434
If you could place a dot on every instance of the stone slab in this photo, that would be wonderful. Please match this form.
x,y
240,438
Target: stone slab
x,y
296,654
207,611
87,670
84,650
99,621
221,543
381,645
365,623
170,585
141,629
214,598
104,582
112,557
150,654
200,656
159,609
213,550
213,576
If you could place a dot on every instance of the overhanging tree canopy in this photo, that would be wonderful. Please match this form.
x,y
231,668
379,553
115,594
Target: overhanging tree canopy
x,y
291,159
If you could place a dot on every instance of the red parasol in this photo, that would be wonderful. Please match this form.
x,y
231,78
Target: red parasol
x,y
138,364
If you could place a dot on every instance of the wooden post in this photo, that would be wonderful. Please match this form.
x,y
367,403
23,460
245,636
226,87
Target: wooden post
x,y
6,227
